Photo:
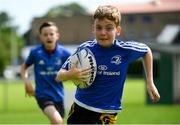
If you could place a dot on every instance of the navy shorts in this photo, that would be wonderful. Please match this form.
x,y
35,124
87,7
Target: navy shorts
x,y
43,103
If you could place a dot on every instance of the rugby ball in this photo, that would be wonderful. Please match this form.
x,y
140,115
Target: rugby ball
x,y
84,59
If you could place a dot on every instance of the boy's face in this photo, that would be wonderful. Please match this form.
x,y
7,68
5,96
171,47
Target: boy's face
x,y
49,37
105,31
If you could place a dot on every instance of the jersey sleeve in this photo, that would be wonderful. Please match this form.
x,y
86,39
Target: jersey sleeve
x,y
66,64
137,50
30,59
67,54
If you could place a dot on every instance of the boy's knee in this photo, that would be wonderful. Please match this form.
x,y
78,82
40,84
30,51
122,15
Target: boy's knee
x,y
57,121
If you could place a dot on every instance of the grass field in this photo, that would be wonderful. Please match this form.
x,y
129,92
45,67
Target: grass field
x,y
15,108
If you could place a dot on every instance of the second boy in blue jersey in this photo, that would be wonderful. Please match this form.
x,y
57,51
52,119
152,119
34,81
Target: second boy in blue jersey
x,y
47,58
100,103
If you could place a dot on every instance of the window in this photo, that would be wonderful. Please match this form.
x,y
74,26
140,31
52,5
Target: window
x,y
147,19
131,19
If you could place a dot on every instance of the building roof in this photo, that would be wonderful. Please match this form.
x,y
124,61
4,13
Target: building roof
x,y
155,6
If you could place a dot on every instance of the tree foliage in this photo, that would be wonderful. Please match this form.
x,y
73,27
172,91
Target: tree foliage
x,y
67,10
8,34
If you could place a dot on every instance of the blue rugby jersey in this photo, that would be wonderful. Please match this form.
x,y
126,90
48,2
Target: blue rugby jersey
x,y
105,93
46,67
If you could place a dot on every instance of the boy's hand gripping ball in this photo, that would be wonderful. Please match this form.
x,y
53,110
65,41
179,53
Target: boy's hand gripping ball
x,y
85,59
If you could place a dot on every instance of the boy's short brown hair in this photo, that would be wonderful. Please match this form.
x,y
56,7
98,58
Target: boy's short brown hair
x,y
109,12
47,24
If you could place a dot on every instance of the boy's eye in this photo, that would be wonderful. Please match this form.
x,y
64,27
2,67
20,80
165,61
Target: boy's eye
x,y
106,28
109,28
48,34
98,28
51,34
45,34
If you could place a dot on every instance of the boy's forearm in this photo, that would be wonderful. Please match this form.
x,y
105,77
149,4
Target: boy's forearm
x,y
148,66
63,75
24,73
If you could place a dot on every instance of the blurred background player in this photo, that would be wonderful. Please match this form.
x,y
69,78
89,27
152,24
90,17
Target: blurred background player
x,y
100,103
47,59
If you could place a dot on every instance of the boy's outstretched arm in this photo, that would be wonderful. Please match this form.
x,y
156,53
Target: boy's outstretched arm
x,y
148,67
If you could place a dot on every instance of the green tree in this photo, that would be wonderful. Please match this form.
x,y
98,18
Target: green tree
x,y
67,10
8,34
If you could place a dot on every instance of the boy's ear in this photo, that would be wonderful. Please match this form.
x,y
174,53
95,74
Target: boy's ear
x,y
39,37
58,35
118,30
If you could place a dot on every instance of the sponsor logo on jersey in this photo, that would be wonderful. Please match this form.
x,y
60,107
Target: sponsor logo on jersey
x,y
102,67
50,68
102,70
48,72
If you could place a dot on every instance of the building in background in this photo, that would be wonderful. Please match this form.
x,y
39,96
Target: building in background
x,y
141,22
73,30
144,22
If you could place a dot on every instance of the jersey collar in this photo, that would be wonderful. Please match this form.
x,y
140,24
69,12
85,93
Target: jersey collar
x,y
99,46
49,51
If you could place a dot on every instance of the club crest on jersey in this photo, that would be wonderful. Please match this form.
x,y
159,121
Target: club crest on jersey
x,y
58,62
116,59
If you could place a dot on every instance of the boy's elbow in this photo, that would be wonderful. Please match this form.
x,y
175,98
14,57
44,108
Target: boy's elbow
x,y
23,69
57,78
149,51
61,75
